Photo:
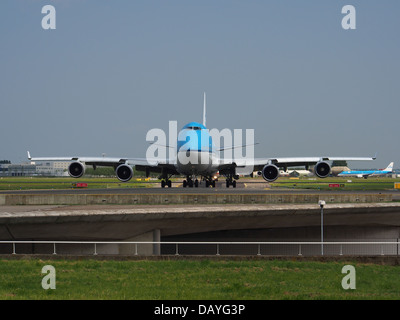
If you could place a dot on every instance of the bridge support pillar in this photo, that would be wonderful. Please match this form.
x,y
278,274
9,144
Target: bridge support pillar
x,y
142,249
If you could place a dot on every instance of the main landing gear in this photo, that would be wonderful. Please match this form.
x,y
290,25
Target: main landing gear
x,y
231,180
210,183
230,183
189,182
166,183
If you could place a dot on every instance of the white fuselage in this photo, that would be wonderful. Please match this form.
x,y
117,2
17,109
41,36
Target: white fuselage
x,y
194,162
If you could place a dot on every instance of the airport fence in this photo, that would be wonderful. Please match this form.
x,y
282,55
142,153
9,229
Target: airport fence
x,y
173,248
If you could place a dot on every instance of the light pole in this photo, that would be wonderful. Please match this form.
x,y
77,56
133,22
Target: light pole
x,y
321,205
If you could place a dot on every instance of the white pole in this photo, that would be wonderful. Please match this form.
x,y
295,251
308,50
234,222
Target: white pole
x,y
322,230
321,204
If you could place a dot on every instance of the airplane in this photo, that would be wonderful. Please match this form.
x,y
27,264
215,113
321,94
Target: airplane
x,y
194,151
367,173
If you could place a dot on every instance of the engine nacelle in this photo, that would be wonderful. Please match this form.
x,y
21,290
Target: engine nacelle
x,y
270,172
124,172
76,169
322,169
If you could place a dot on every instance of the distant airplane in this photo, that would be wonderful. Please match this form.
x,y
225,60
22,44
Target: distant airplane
x,y
195,144
367,173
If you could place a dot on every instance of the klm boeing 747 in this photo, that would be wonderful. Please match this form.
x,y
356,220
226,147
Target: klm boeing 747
x,y
197,157
367,173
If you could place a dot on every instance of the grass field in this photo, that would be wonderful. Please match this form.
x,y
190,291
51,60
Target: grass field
x,y
35,183
196,279
354,184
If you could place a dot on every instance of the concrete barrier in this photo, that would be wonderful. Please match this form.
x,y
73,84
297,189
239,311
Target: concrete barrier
x,y
92,199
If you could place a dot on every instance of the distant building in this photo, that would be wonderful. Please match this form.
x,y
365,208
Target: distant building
x,y
3,170
17,170
54,169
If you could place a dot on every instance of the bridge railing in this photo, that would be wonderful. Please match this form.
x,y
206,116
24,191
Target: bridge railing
x,y
218,248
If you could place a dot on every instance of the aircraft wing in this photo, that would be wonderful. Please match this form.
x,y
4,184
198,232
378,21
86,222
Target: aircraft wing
x,y
303,161
96,161
269,167
258,164
141,164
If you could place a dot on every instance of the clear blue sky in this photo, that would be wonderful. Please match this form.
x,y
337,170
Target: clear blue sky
x,y
112,70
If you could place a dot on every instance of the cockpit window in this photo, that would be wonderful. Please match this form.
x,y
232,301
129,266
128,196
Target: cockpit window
x,y
193,128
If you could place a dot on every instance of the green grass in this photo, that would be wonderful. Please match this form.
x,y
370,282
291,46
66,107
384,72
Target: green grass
x,y
356,184
36,183
196,279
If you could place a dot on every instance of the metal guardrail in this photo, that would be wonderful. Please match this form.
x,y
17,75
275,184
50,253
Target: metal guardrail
x,y
220,248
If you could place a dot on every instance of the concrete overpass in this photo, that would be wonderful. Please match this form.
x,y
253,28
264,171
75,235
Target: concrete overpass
x,y
229,222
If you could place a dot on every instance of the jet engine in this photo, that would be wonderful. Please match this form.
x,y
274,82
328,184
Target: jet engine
x,y
270,172
124,172
76,169
322,169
